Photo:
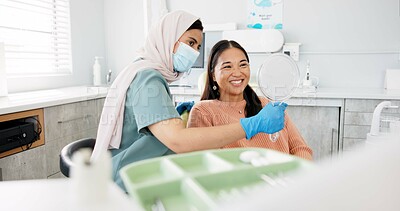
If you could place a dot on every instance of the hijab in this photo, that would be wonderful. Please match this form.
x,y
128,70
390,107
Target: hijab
x,y
155,54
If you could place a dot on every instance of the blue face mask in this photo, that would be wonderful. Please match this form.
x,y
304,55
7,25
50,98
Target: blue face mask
x,y
184,57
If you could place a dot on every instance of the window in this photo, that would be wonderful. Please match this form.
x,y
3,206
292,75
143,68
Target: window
x,y
200,60
36,36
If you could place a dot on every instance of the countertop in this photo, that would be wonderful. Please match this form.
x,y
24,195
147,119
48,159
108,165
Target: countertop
x,y
58,194
45,98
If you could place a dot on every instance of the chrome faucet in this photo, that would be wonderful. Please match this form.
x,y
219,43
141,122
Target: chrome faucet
x,y
108,77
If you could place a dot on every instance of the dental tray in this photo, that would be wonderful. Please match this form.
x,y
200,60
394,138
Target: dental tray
x,y
200,180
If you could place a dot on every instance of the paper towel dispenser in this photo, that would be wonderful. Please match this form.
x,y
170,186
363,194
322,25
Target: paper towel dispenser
x,y
257,40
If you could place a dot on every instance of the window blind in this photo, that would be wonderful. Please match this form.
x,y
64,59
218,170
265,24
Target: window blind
x,y
36,36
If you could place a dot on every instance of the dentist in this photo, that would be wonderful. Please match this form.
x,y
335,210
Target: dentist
x,y
139,120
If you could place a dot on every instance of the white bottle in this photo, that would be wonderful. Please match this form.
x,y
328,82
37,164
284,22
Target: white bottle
x,y
96,71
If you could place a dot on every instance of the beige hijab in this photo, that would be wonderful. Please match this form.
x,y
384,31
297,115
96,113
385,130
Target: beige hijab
x,y
155,54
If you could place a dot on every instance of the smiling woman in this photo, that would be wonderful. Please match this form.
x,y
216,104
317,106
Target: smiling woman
x,y
227,98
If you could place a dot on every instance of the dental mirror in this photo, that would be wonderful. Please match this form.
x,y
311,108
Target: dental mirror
x,y
278,78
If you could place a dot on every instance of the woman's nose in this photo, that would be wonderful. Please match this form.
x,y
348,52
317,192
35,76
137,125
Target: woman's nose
x,y
236,71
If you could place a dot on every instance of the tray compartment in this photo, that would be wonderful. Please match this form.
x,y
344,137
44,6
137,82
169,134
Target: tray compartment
x,y
224,183
233,156
154,171
175,195
240,181
201,163
200,180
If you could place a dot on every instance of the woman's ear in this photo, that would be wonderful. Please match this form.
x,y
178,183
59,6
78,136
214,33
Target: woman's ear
x,y
176,45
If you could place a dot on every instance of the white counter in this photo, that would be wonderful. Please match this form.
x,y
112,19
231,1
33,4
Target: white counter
x,y
45,98
57,194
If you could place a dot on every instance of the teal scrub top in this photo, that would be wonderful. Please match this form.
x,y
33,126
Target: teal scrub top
x,y
148,101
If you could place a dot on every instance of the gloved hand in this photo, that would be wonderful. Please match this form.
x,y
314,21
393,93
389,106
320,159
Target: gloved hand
x,y
269,120
184,106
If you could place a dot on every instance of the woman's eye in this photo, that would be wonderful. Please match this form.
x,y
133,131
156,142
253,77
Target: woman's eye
x,y
191,43
226,67
244,65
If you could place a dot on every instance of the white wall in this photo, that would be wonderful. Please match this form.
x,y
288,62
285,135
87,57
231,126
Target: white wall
x,y
124,24
348,43
87,40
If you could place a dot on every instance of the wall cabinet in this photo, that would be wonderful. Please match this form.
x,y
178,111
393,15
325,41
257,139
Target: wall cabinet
x,y
63,124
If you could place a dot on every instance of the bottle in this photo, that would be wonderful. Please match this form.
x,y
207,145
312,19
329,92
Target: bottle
x,y
96,71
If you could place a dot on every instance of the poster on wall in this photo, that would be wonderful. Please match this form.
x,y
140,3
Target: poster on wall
x,y
265,14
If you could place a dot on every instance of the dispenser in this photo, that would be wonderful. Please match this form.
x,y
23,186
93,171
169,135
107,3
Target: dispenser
x,y
97,71
310,83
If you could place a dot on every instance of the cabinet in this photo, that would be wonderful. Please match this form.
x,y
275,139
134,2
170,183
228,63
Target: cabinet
x,y
319,126
35,116
63,124
67,123
358,117
26,162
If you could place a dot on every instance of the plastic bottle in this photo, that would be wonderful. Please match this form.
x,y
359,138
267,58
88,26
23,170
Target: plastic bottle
x,y
97,71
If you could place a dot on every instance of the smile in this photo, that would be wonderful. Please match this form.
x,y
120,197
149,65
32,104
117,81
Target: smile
x,y
236,82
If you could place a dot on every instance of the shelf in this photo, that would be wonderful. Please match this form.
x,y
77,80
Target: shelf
x,y
38,115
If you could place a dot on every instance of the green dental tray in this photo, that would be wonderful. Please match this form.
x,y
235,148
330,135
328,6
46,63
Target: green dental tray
x,y
200,180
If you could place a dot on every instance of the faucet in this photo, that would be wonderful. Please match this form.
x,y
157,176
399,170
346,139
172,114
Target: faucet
x,y
376,116
108,77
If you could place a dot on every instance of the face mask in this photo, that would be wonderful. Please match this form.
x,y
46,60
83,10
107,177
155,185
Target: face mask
x,y
184,57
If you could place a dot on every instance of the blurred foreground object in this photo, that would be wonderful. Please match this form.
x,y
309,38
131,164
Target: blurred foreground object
x,y
367,179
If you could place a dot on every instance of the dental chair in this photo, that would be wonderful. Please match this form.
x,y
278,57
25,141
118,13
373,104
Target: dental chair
x,y
67,152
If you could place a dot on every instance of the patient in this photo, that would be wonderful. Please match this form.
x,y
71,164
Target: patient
x,y
227,97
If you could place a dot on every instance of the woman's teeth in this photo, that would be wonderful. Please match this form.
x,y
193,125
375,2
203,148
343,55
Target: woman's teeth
x,y
236,82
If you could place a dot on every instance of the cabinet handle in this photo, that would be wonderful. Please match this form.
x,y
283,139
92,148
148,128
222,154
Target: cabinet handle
x,y
69,120
332,139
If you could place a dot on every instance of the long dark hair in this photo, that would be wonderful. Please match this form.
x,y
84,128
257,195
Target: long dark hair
x,y
253,103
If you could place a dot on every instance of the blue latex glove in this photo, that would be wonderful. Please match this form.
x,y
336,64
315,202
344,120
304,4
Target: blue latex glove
x,y
269,120
184,106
